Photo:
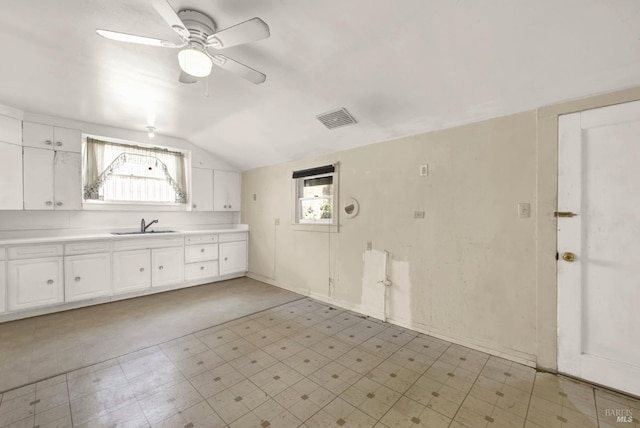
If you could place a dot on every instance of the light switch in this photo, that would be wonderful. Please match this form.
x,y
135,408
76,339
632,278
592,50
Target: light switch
x,y
524,210
424,170
418,214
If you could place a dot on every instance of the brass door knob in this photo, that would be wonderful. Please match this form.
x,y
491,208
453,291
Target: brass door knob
x,y
568,257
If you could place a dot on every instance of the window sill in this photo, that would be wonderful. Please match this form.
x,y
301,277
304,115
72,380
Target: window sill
x,y
316,227
116,206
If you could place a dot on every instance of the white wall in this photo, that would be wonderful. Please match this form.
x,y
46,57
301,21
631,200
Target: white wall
x,y
471,271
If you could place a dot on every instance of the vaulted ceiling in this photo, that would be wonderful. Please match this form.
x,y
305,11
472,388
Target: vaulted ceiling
x,y
400,67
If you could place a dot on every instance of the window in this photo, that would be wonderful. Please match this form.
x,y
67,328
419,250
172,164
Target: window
x,y
315,195
130,173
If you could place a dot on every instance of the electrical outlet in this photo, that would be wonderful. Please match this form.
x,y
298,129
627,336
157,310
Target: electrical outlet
x,y
369,245
254,197
277,222
424,170
418,214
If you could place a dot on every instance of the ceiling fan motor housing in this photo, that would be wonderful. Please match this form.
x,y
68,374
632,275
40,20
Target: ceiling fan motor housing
x,y
200,26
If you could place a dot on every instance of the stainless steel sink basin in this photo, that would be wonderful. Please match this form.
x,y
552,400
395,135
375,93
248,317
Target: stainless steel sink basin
x,y
144,233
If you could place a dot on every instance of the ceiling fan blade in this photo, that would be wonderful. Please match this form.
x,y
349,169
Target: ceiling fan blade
x,y
241,70
244,32
187,78
132,38
171,17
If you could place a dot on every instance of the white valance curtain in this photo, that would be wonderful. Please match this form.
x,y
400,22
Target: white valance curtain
x,y
124,172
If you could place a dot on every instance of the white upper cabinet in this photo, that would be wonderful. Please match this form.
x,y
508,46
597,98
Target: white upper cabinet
x,y
52,180
51,137
10,177
226,191
201,189
10,130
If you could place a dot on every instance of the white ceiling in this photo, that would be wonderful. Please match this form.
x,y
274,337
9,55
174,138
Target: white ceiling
x,y
400,67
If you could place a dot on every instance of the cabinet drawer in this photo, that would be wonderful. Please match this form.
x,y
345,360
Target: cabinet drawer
x,y
232,237
200,270
153,242
198,253
34,251
201,239
87,247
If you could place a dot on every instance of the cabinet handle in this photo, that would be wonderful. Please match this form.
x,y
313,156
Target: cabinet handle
x,y
77,279
48,142
194,206
141,269
225,259
225,206
201,267
202,250
50,281
229,206
58,143
58,204
48,203
161,267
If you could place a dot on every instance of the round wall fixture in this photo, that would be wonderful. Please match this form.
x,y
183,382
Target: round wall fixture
x,y
350,208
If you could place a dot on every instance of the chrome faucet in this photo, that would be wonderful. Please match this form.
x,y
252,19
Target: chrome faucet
x,y
144,227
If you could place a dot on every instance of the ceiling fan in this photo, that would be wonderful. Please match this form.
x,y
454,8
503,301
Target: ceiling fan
x,y
197,34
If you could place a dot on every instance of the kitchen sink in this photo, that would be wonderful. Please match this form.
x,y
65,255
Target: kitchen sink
x,y
144,233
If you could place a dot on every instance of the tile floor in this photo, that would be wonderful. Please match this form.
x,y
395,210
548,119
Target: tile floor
x,y
37,348
307,364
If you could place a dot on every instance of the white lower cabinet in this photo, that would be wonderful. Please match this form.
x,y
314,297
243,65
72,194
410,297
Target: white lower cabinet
x,y
167,266
35,282
233,257
131,270
87,276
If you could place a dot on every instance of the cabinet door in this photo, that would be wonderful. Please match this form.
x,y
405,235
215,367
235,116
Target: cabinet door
x,y
167,266
87,276
10,130
3,287
10,177
37,135
233,257
226,191
131,270
67,181
38,179
202,189
66,139
35,282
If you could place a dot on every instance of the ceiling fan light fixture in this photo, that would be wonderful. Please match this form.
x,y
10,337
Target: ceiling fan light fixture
x,y
195,62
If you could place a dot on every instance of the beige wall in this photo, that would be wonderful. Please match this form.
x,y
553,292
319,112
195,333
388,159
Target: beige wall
x,y
471,271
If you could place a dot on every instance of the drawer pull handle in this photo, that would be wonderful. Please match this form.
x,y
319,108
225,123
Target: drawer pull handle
x,y
77,279
50,281
141,269
48,142
58,143
48,203
202,250
225,259
59,204
195,206
161,267
201,267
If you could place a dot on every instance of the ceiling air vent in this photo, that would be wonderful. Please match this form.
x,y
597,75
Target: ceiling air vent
x,y
336,118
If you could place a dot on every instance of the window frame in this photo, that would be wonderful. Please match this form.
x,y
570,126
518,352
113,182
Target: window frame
x,y
321,225
98,205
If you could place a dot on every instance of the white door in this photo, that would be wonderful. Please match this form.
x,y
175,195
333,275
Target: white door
x,y
167,265
35,282
201,189
131,270
38,179
599,290
87,276
67,181
233,257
